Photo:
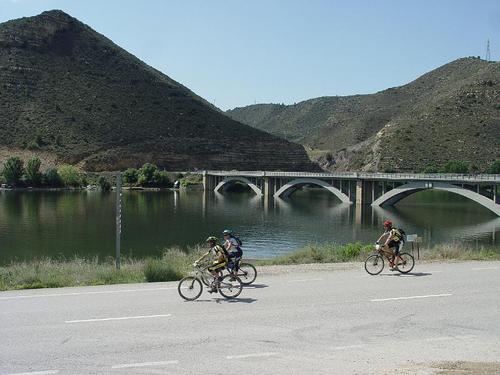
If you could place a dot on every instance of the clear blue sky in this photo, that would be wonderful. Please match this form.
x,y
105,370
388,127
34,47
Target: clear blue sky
x,y
237,52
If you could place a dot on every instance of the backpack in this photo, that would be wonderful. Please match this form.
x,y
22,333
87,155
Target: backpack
x,y
240,242
403,234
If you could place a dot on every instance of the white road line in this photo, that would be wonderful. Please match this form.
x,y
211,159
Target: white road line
x,y
84,293
347,347
145,364
119,318
411,297
303,280
484,268
241,356
46,372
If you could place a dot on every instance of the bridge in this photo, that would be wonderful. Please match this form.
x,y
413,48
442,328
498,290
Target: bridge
x,y
377,189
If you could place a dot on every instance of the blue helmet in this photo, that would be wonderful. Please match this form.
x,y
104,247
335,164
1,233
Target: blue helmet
x,y
226,232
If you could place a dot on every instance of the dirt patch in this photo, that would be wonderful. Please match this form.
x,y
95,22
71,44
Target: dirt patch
x,y
465,367
48,159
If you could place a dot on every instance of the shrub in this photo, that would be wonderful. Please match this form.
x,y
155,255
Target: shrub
x,y
52,178
162,178
494,168
430,169
32,172
70,175
130,176
159,270
146,173
104,184
13,170
455,166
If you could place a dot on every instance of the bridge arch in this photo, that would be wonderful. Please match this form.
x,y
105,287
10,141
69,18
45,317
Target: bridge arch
x,y
224,184
395,195
293,185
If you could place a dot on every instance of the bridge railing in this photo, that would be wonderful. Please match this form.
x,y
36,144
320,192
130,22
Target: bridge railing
x,y
495,178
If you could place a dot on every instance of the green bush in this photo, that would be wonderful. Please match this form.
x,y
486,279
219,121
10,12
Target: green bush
x,y
162,178
51,178
494,168
70,175
32,172
430,169
146,174
130,176
159,270
104,184
191,179
13,170
455,166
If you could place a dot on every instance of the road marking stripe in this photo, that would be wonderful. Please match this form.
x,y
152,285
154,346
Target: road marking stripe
x,y
484,268
268,354
145,364
119,318
303,280
46,372
347,347
411,297
83,293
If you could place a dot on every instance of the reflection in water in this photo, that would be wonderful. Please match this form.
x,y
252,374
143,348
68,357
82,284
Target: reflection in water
x,y
36,224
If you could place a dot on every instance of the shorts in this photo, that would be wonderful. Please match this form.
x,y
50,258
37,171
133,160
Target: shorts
x,y
216,266
233,262
394,245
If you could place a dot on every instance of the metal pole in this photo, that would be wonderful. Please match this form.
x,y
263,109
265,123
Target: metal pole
x,y
118,218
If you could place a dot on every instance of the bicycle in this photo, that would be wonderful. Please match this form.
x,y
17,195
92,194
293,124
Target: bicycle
x,y
191,287
374,264
246,272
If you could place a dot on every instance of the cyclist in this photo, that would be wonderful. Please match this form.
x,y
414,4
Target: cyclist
x,y
219,260
393,241
233,248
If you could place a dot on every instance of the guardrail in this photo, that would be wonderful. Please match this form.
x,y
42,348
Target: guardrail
x,y
365,175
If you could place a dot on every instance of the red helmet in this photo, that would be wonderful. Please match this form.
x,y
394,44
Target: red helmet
x,y
387,223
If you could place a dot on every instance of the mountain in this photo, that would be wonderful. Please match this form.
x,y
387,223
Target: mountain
x,y
450,113
71,95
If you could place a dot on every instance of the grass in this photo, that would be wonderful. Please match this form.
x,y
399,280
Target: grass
x,y
174,264
49,273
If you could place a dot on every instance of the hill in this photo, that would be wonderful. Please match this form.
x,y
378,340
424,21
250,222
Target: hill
x,y
451,113
73,96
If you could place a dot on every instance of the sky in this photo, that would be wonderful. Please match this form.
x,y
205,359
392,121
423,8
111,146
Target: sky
x,y
240,52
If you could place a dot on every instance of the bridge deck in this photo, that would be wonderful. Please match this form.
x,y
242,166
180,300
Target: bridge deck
x,y
475,178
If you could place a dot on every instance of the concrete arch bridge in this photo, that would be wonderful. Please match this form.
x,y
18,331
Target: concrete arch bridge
x,y
377,189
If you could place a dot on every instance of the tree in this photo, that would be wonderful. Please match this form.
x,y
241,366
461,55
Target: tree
x,y
146,174
13,170
494,168
32,172
70,175
162,178
130,176
52,178
455,166
104,184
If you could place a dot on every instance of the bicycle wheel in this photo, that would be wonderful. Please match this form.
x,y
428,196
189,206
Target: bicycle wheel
x,y
407,264
230,286
374,264
190,288
247,273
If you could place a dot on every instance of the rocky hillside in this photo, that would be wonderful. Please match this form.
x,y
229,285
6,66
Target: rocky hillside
x,y
452,112
72,95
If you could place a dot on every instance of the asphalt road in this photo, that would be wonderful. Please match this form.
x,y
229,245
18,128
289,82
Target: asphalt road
x,y
301,322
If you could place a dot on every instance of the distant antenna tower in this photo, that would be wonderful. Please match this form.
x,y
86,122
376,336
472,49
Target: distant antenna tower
x,y
488,52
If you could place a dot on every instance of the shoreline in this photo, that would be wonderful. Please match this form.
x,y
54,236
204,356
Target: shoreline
x,y
175,264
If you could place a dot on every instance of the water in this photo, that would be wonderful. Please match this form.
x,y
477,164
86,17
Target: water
x,y
53,224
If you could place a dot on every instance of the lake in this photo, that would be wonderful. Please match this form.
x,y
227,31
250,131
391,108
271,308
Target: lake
x,y
67,223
